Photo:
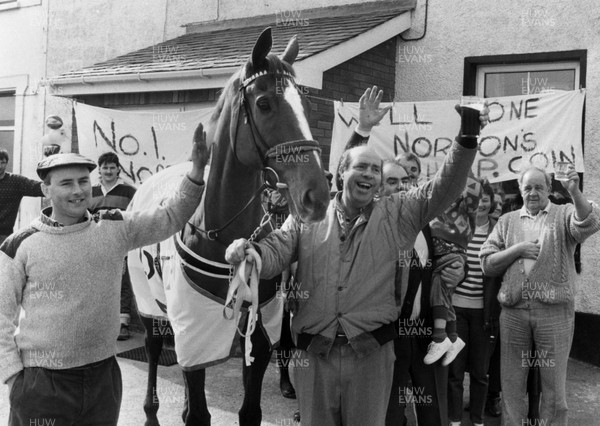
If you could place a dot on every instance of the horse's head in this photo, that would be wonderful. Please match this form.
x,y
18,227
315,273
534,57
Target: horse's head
x,y
269,129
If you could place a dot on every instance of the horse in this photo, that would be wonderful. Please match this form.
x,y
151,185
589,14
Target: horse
x,y
260,137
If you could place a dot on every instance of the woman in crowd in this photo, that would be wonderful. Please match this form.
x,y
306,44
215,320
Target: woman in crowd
x,y
468,302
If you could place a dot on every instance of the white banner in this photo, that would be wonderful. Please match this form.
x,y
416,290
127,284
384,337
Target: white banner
x,y
145,142
540,129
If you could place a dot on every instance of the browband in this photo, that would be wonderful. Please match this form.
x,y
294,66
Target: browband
x,y
253,77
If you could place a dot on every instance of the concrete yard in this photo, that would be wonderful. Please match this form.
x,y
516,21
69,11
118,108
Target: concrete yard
x,y
224,393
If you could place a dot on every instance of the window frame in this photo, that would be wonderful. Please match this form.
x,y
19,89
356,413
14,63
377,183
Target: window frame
x,y
17,85
472,63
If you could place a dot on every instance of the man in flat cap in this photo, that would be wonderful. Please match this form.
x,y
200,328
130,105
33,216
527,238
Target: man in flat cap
x,y
64,273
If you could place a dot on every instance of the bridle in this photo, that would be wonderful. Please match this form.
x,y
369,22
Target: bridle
x,y
264,151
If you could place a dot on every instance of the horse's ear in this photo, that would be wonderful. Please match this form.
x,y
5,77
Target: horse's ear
x,y
262,47
291,51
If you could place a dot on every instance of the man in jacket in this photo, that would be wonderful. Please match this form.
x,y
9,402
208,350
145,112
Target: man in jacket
x,y
346,268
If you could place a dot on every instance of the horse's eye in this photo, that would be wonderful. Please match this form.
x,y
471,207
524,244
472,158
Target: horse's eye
x,y
263,104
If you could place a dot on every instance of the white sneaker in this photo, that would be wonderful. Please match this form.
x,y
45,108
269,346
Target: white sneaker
x,y
454,423
436,350
453,351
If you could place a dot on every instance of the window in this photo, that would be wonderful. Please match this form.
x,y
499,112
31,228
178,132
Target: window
x,y
7,125
523,74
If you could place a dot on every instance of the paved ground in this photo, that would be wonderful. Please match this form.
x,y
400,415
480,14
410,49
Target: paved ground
x,y
224,394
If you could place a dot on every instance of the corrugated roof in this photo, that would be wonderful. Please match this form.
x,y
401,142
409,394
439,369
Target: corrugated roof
x,y
223,48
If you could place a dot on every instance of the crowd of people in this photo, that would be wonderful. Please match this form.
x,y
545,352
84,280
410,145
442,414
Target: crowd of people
x,y
515,297
409,284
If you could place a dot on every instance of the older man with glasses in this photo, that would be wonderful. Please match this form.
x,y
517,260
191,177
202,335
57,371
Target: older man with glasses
x,y
533,247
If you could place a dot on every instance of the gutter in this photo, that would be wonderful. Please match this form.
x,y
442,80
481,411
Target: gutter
x,y
142,76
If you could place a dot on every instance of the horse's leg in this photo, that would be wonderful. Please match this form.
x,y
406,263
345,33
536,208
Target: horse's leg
x,y
251,414
195,411
153,345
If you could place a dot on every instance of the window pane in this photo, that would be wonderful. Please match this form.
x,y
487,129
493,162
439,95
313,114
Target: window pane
x,y
7,109
551,80
505,84
524,83
7,143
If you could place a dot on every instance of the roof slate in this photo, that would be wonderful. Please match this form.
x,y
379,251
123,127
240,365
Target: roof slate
x,y
231,47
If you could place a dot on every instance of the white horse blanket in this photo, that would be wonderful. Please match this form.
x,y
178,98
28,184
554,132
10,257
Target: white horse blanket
x,y
203,337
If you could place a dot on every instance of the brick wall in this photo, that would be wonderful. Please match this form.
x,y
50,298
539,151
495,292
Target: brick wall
x,y
348,81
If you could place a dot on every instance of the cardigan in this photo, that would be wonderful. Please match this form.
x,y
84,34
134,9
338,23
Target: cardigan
x,y
552,278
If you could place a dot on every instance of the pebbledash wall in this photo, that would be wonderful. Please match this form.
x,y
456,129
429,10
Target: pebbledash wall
x,y
432,68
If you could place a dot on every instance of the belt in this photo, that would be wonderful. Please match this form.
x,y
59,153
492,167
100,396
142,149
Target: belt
x,y
93,364
340,339
383,334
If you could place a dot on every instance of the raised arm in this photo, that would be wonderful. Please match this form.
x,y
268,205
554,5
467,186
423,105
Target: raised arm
x,y
585,219
151,226
422,204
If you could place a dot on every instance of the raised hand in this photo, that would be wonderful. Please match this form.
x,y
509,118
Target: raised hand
x,y
200,154
370,114
571,185
484,118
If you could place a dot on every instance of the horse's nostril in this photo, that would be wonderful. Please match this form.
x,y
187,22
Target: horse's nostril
x,y
314,199
308,200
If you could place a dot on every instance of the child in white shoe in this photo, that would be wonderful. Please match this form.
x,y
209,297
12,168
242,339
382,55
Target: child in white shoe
x,y
451,233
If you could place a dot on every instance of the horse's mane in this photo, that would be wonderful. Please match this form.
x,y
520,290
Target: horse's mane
x,y
272,63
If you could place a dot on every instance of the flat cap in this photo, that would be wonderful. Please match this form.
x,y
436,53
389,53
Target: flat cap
x,y
63,160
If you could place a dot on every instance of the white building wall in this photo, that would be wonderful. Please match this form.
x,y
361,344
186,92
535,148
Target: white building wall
x,y
44,38
22,70
432,69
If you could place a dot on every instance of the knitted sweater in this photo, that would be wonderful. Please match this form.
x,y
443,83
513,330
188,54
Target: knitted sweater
x,y
552,278
67,280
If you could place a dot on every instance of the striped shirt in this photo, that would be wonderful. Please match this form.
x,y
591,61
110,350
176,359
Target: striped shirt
x,y
469,293
118,197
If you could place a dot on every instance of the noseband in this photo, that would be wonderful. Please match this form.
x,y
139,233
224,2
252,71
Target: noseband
x,y
264,151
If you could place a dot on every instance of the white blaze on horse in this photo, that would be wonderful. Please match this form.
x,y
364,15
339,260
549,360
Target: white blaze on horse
x,y
260,137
